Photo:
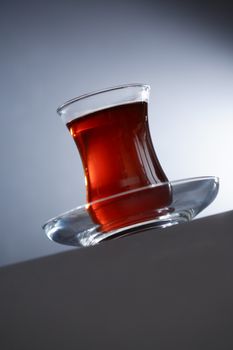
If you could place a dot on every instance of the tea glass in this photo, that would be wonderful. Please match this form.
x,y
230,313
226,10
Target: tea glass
x,y
126,188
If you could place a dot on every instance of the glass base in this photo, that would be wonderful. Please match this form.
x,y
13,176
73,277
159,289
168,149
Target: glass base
x,y
82,227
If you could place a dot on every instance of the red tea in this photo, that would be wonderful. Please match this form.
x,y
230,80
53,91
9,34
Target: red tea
x,y
118,156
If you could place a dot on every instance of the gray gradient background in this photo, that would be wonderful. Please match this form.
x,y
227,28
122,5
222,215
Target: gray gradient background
x,y
53,51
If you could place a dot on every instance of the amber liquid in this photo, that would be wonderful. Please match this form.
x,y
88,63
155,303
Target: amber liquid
x,y
118,156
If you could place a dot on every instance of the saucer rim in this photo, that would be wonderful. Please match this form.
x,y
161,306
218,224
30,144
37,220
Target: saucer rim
x,y
169,183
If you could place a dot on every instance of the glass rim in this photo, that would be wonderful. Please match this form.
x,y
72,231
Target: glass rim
x,y
97,92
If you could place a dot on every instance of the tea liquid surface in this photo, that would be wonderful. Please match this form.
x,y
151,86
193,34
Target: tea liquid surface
x,y
118,155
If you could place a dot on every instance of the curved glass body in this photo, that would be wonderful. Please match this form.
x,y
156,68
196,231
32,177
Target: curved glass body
x,y
111,131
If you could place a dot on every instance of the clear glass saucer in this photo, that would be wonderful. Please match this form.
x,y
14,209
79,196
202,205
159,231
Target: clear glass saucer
x,y
79,227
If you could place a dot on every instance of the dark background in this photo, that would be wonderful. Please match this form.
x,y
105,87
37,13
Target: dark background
x,y
165,289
